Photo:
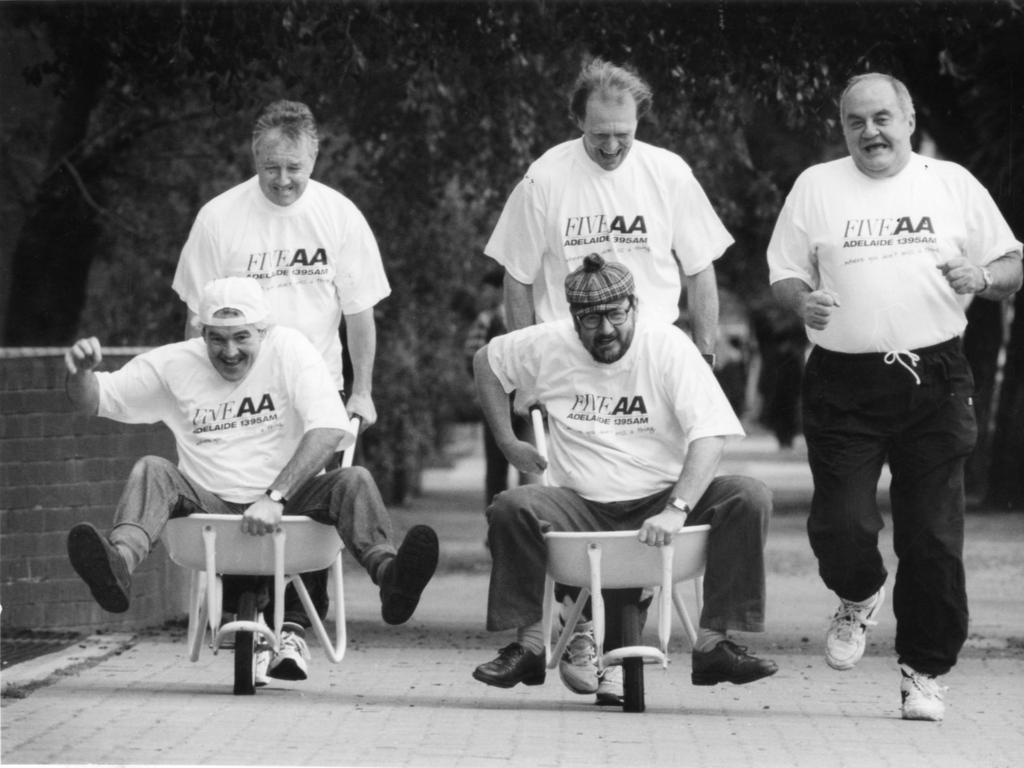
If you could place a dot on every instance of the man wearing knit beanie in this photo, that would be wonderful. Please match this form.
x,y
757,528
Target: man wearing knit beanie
x,y
637,425
599,288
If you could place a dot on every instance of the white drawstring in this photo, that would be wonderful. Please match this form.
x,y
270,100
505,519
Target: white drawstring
x,y
896,356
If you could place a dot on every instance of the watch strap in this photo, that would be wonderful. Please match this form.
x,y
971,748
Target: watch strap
x,y
679,505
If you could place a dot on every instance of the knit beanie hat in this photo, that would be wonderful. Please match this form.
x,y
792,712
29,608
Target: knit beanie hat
x,y
598,285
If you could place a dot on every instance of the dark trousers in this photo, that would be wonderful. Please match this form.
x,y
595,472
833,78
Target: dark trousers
x,y
859,412
737,508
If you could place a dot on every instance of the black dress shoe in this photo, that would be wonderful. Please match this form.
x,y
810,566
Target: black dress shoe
x,y
514,665
729,663
408,574
101,567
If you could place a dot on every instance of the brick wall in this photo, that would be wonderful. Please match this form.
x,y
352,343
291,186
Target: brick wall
x,y
58,468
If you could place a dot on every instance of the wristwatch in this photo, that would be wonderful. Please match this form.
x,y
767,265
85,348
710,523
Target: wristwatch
x,y
986,275
679,505
275,496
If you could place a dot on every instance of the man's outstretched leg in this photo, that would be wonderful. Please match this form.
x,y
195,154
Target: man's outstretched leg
x,y
349,500
403,577
105,563
101,566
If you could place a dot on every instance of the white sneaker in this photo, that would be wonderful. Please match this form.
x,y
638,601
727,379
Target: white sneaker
x,y
609,687
922,695
578,666
847,633
262,664
289,663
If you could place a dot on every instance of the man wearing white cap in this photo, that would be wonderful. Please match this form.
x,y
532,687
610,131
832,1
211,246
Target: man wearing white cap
x,y
638,423
313,253
255,416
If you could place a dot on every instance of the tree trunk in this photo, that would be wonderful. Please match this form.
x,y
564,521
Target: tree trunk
x,y
1006,477
51,260
982,342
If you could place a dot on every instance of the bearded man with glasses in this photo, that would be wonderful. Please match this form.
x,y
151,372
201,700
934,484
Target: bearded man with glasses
x,y
637,428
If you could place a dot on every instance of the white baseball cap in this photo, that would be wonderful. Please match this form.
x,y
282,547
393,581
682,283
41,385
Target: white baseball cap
x,y
242,295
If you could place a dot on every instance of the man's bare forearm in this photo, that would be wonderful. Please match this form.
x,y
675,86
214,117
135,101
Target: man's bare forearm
x,y
518,304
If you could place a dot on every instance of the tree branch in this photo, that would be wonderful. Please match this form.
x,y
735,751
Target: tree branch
x,y
125,225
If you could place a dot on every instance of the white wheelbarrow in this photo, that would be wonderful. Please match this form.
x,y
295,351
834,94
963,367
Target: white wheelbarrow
x,y
594,561
617,560
214,546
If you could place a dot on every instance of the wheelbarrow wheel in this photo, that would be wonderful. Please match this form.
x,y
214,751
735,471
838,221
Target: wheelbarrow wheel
x,y
245,647
632,668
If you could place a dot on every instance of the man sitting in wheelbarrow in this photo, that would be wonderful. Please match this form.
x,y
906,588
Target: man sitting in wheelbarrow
x,y
637,424
255,416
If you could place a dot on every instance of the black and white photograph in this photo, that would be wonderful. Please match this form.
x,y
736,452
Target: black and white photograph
x,y
512,383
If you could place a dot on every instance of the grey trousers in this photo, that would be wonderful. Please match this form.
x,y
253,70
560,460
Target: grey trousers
x,y
737,508
347,499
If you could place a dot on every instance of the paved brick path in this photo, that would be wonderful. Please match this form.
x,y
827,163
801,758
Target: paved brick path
x,y
404,696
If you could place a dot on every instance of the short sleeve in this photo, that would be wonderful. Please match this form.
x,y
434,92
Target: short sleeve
x,y
699,236
515,356
988,234
197,262
360,278
789,250
312,388
517,242
699,402
134,394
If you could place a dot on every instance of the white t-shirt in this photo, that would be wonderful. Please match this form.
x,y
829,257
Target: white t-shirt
x,y
646,214
618,431
316,259
233,438
878,242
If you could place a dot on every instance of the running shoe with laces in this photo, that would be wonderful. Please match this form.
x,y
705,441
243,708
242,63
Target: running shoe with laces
x,y
848,630
609,687
289,663
578,665
922,695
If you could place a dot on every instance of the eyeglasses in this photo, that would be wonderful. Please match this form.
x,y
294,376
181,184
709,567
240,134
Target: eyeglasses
x,y
592,320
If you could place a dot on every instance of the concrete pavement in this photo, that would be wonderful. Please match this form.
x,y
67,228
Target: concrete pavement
x,y
404,696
